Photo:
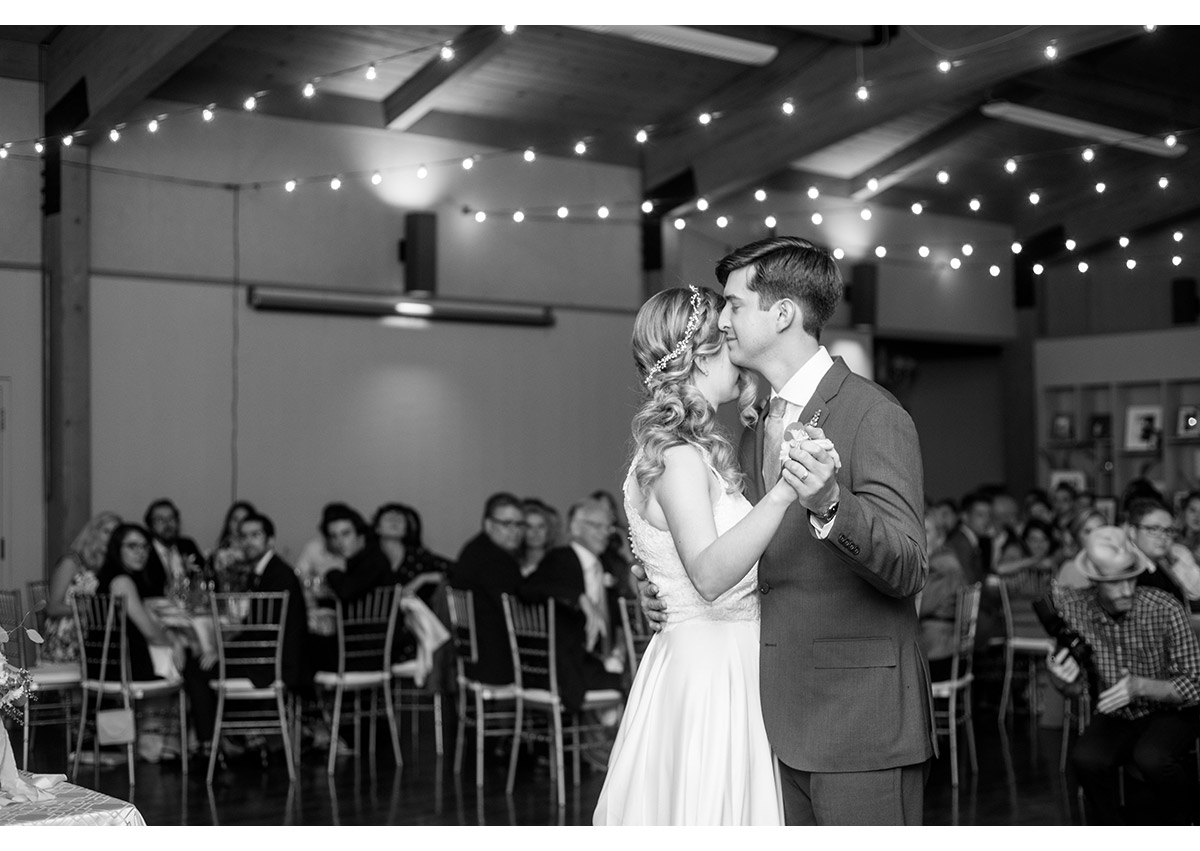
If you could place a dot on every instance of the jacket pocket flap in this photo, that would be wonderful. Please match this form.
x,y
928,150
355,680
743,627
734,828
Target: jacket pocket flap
x,y
854,653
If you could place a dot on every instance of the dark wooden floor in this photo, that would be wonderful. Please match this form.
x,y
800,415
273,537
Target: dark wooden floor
x,y
1018,784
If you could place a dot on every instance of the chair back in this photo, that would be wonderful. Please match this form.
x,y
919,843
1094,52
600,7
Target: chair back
x,y
10,615
460,605
101,624
364,630
966,618
1018,591
39,589
249,633
531,639
637,632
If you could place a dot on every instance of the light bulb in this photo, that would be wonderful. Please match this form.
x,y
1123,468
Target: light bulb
x,y
1171,141
39,147
788,107
974,205
1016,248
563,212
814,193
1150,27
872,184
647,207
722,221
309,90
481,216
1178,236
701,204
1010,165
468,163
1163,183
817,218
880,252
680,224
1176,260
581,147
529,155
1123,242
865,214
114,134
370,72
1083,266
760,195
1038,268
4,152
377,178
518,217
705,118
1070,243
641,137
1130,263
249,103
955,263
1051,51
335,184
1088,155
944,66
838,254
602,212
153,125
943,177
967,250
917,208
1100,187
207,113
923,250
769,221
67,140
290,186
422,172
447,52
994,271
1034,198
862,93
509,29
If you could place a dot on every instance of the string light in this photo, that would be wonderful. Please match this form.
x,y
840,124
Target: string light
x,y
862,93
249,103
872,184
38,146
1070,243
153,125
967,250
1123,242
335,184
880,252
529,155
760,195
917,208
518,217
994,271
1171,141
422,172
770,221
563,212
1100,187
1051,51
1083,266
481,217
955,263
447,53
1177,236
509,29
67,140
1016,248
814,193
371,71
680,224
641,136
468,163
114,134
944,66
581,147
1176,260
376,178
647,207
1038,268
4,153
1088,155
1034,198
207,113
1010,165
838,254
290,186
705,118
974,205
722,221
602,212
865,214
943,177
1150,27
923,250
309,90
701,204
817,218
788,107
1163,183
1130,263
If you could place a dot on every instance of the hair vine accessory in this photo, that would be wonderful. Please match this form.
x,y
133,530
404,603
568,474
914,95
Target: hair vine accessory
x,y
692,324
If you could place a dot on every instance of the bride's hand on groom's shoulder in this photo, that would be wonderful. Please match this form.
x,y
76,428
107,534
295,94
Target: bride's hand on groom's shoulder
x,y
654,608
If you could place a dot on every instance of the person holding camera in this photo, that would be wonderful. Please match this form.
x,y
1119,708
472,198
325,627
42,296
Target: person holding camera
x,y
1146,661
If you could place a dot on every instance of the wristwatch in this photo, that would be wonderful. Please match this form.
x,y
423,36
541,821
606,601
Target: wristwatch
x,y
824,517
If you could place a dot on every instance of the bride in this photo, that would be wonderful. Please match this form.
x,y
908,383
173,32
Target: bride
x,y
692,748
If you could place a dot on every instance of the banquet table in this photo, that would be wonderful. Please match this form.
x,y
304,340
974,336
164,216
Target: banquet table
x,y
72,806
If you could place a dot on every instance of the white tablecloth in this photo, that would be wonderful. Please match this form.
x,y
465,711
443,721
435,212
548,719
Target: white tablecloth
x,y
72,806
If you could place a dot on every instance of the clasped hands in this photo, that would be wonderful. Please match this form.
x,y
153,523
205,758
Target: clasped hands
x,y
1127,689
810,468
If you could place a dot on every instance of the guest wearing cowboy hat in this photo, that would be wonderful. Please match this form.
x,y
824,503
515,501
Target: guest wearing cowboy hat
x,y
1148,663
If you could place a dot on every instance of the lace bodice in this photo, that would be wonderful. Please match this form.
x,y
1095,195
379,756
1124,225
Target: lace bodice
x,y
655,549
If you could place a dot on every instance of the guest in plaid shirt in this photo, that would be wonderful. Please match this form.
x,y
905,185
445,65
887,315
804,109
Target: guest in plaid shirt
x,y
1148,664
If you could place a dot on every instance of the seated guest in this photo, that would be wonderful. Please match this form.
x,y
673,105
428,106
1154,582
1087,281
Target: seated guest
x,y
366,567
1006,521
946,514
172,558
488,567
75,573
1037,504
317,557
971,543
1037,547
1063,499
938,602
228,567
1147,665
1071,574
1150,528
398,531
573,576
617,556
1189,537
537,541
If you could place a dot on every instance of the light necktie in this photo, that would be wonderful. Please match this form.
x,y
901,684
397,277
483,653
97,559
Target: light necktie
x,y
772,439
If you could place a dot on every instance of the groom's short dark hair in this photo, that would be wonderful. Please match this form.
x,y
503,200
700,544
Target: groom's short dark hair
x,y
789,267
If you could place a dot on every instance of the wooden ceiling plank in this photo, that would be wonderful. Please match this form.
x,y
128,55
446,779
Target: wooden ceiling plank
x,y
121,65
419,93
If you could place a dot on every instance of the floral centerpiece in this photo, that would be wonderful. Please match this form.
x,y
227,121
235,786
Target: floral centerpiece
x,y
15,691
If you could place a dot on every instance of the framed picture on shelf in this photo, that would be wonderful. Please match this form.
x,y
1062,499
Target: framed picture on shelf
x,y
1187,421
1107,505
1143,427
1075,478
1100,426
1062,427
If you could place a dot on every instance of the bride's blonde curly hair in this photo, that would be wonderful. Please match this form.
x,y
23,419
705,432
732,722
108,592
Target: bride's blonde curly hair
x,y
674,411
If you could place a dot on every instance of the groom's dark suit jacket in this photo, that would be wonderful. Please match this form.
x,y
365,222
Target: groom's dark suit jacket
x,y
845,686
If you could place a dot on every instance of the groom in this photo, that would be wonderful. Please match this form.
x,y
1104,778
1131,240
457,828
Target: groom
x,y
845,687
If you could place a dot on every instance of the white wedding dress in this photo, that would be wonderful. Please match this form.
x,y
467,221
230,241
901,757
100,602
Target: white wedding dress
x,y
692,748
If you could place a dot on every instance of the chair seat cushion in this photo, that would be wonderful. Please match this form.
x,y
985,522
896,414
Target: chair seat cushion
x,y
944,688
352,679
242,688
540,696
489,691
600,697
1027,644
52,675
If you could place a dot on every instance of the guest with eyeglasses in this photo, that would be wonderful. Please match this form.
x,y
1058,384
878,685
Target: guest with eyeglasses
x,y
488,566
1151,528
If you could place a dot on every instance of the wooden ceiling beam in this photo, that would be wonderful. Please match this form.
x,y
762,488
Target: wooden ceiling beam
x,y
117,67
736,150
418,95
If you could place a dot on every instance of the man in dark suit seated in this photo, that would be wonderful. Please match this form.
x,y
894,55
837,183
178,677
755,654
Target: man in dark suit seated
x,y
488,567
573,576
172,557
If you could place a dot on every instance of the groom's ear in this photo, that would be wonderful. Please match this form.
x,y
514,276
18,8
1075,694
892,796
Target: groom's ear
x,y
786,312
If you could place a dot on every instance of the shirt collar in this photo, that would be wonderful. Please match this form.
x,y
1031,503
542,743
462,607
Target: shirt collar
x,y
587,558
262,562
801,386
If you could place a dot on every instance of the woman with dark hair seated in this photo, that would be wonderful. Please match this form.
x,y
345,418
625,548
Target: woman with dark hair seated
x,y
228,565
1037,547
398,529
